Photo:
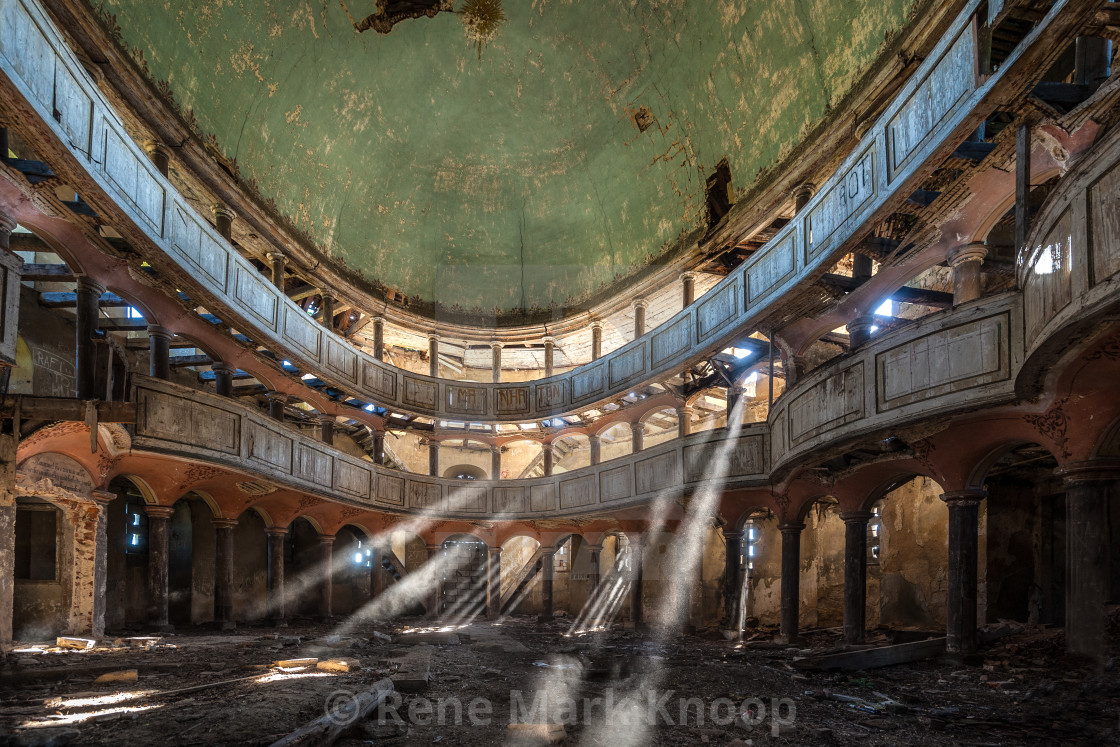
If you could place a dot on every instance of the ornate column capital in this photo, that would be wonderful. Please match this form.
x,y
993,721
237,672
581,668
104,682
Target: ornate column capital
x,y
974,252
640,303
280,397
855,516
154,330
497,344
224,523
326,539
733,534
276,531
433,337
1092,470
595,324
548,340
156,147
159,512
791,527
85,282
7,222
969,497
102,497
686,275
223,211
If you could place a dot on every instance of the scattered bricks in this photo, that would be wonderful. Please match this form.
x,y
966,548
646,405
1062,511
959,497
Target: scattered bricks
x,y
534,734
123,675
339,665
82,644
295,663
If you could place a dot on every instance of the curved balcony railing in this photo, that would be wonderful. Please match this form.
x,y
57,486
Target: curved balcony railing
x,y
928,111
959,360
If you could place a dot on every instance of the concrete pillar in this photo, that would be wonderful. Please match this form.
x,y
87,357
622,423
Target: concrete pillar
x,y
326,309
159,352
859,331
278,262
855,575
547,459
548,560
85,328
640,306
378,338
223,221
802,193
688,288
966,261
791,579
223,378
549,352
159,153
496,361
433,355
326,588
276,402
276,602
495,462
732,576
637,555
435,595
596,443
326,428
1090,486
596,340
637,437
593,576
433,458
223,572
960,605
158,518
493,582
684,420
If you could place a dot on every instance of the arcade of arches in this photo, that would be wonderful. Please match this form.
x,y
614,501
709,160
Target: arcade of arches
x,y
695,359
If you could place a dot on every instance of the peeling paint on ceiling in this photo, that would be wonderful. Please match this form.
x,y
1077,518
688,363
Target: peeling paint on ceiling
x,y
574,151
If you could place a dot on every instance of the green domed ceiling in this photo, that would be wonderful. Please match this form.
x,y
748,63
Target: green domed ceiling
x,y
517,177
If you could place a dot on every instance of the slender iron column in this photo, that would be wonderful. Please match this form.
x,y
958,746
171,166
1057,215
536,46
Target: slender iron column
x,y
158,519
960,610
791,580
855,575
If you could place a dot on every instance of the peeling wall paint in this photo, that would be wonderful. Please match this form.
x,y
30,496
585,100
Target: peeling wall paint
x,y
520,178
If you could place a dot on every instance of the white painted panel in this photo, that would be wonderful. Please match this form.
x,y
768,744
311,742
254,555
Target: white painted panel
x,y
772,268
75,110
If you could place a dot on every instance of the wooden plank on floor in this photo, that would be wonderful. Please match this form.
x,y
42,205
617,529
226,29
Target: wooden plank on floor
x,y
883,656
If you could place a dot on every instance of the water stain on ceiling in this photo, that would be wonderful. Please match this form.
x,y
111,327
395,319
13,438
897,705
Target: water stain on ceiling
x,y
568,152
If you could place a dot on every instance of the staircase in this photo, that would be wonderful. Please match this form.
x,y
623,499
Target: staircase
x,y
524,577
535,468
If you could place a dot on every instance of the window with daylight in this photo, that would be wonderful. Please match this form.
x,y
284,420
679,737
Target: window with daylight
x,y
874,534
135,528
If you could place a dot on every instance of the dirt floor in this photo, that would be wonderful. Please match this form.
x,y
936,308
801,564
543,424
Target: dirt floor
x,y
203,688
